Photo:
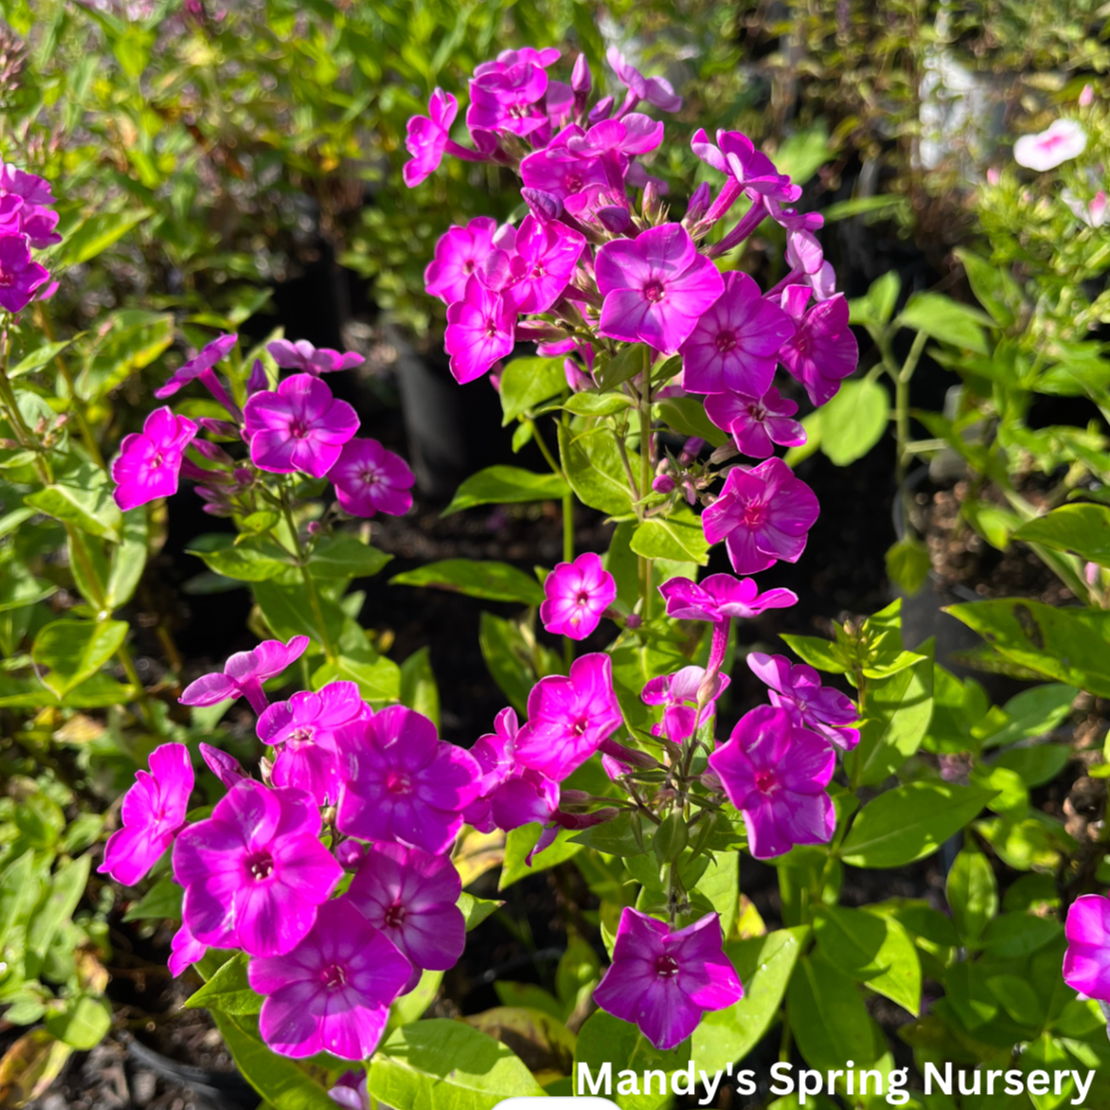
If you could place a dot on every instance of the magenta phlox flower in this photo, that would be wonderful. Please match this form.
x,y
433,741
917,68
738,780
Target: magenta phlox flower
x,y
616,141
298,426
303,730
494,753
401,782
655,286
224,766
306,358
332,992
459,253
369,479
657,91
152,813
29,187
721,597
149,462
797,688
763,514
1061,141
577,595
678,692
528,798
748,170
480,330
664,981
427,137
756,424
775,773
561,172
1087,959
736,341
243,674
569,717
28,199
205,359
255,872
823,351
544,57
411,898
544,258
185,949
508,99
20,275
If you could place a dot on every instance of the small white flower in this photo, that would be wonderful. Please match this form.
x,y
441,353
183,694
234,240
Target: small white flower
x,y
1063,140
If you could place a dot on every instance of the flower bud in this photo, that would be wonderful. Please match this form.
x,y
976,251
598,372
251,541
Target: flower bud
x,y
544,206
218,427
690,450
614,218
1087,96
723,453
313,527
699,204
213,452
634,621
258,379
581,80
603,109
350,854
651,204
663,483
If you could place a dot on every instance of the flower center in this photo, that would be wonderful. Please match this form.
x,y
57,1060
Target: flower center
x,y
7,280
757,412
583,598
370,477
725,342
260,865
579,727
156,462
765,781
468,266
300,736
491,328
574,182
395,916
396,783
753,515
298,429
334,976
666,967
654,291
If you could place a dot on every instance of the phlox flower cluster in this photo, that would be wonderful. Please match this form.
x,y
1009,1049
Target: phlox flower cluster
x,y
299,427
595,263
342,789
27,222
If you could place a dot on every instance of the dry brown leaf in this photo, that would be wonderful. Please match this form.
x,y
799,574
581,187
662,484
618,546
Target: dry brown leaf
x,y
29,1067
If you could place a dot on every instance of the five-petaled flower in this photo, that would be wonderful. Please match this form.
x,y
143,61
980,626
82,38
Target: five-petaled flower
x,y
664,981
243,674
368,479
20,276
1087,959
577,595
153,812
149,462
299,426
797,688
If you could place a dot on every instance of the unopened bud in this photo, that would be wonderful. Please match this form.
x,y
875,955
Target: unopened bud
x,y
545,206
1087,96
699,204
614,218
314,527
350,854
258,379
651,204
663,483
634,621
218,427
213,452
690,450
723,453
603,109
582,81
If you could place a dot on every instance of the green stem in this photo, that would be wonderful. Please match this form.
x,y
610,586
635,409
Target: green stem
x,y
309,583
645,473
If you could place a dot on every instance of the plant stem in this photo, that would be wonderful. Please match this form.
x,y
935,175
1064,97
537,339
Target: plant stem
x,y
645,472
309,583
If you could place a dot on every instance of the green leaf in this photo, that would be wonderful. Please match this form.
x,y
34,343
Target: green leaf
x,y
38,358
18,892
908,564
854,421
128,559
84,499
677,536
595,471
874,949
992,285
412,1006
162,901
346,556
910,822
604,1039
686,415
228,991
489,580
66,887
942,318
625,365
598,404
279,1080
503,485
614,838
511,658
828,1018
253,560
764,965
1036,765
82,1024
972,893
418,685
1033,713
633,666
1080,529
899,709
131,340
994,523
96,234
876,306
476,910
525,382
289,612
1065,644
825,655
378,678
74,650
1013,935
521,841
801,154
446,1065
